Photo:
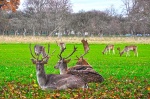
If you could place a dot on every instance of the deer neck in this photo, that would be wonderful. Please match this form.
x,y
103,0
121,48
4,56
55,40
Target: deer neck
x,y
105,50
121,52
41,76
63,68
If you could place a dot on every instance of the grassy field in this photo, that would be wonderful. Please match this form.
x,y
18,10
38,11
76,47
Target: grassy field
x,y
125,77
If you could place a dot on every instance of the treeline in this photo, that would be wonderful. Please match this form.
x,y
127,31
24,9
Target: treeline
x,y
56,18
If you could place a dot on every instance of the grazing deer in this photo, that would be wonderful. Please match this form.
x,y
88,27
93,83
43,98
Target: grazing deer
x,y
88,75
108,48
127,49
54,81
81,60
38,49
62,45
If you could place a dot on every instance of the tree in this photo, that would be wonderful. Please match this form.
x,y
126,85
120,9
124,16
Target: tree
x,y
9,5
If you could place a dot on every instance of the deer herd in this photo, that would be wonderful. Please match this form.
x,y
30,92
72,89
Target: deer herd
x,y
126,49
77,76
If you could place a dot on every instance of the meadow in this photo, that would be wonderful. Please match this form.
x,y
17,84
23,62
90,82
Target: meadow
x,y
125,77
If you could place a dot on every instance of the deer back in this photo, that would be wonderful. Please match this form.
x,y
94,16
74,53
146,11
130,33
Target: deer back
x,y
87,75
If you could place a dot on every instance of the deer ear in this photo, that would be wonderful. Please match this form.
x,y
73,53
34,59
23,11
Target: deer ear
x,y
67,61
33,61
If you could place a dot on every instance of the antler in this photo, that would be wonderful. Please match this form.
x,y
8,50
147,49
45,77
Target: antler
x,y
47,52
60,57
31,51
75,49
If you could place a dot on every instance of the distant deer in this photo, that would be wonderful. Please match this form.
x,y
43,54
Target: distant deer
x,y
38,49
108,48
54,81
81,60
88,75
127,49
62,45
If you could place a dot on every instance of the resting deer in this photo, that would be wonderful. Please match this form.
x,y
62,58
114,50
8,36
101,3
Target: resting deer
x,y
62,45
108,48
54,81
88,75
127,49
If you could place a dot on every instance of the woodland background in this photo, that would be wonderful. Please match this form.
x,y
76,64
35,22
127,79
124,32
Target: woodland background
x,y
56,18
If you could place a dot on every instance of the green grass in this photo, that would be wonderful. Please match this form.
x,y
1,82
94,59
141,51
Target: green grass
x,y
125,77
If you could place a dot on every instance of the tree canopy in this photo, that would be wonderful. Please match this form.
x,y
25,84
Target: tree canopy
x,y
9,5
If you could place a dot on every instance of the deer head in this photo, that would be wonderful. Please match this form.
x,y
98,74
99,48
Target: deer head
x,y
81,61
119,51
64,60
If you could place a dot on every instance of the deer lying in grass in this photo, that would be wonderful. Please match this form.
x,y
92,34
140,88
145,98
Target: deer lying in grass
x,y
54,81
108,48
127,49
88,75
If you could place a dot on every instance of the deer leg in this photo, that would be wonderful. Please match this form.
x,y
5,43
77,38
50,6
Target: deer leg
x,y
113,51
136,53
109,51
106,52
126,54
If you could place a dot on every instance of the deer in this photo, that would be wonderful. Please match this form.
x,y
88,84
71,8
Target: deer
x,y
108,48
38,49
54,81
81,60
88,75
62,45
127,49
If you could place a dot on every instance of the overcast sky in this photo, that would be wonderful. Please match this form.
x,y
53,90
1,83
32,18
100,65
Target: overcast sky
x,y
101,5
